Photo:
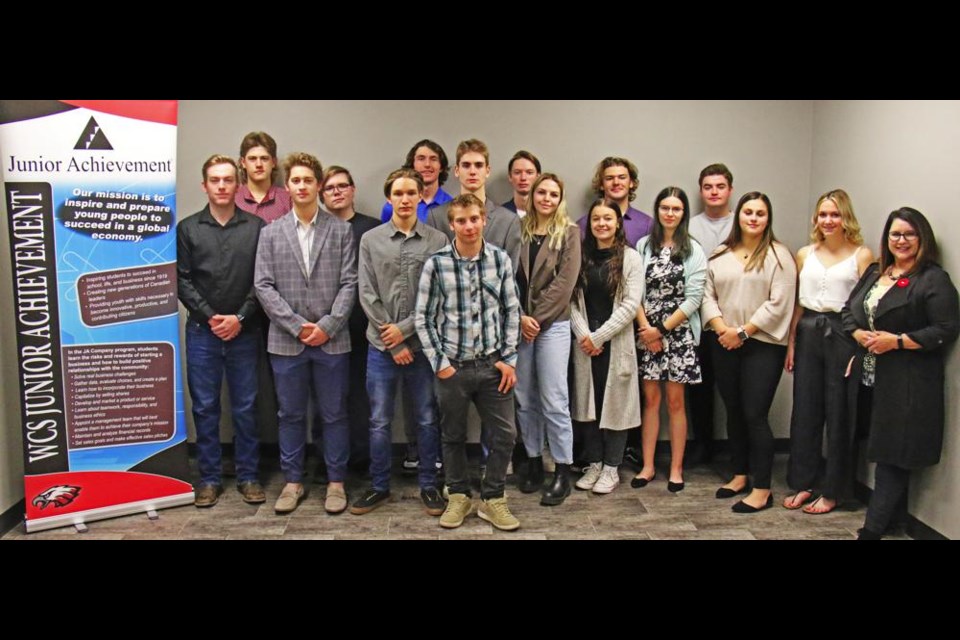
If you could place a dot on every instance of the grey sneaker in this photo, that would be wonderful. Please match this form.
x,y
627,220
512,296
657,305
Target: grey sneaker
x,y
590,476
496,512
608,481
459,507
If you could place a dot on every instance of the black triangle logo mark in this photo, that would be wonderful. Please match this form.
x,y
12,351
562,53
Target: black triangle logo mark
x,y
93,138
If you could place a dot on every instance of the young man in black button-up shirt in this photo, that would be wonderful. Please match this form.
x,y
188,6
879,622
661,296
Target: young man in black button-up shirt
x,y
216,248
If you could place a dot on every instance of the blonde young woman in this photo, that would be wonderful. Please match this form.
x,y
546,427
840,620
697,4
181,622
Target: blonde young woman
x,y
549,267
818,353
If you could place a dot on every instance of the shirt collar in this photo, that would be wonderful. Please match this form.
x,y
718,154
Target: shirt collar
x,y
312,223
480,254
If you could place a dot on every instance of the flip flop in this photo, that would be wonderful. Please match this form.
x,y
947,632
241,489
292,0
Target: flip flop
x,y
812,510
791,499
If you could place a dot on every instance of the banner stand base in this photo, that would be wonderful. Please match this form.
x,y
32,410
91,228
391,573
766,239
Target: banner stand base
x,y
80,518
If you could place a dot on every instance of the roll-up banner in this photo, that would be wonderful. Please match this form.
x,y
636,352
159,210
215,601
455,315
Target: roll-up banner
x,y
90,204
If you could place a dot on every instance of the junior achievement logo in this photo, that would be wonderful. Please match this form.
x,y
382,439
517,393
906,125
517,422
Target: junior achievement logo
x,y
93,138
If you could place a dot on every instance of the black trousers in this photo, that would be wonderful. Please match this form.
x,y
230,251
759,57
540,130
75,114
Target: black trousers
x,y
747,378
822,353
602,445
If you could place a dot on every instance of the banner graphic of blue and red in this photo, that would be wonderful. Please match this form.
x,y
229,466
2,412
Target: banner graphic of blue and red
x,y
90,201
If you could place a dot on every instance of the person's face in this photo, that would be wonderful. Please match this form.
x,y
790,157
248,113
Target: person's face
x,y
221,184
426,162
338,193
754,218
617,183
472,170
603,225
467,224
404,196
903,241
546,198
522,176
829,220
303,186
715,192
670,212
259,164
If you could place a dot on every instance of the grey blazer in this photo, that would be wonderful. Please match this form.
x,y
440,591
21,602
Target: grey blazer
x,y
290,298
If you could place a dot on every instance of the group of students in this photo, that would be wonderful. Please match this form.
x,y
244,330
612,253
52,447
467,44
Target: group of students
x,y
554,330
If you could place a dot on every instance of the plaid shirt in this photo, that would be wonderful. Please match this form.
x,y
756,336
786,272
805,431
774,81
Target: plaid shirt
x,y
468,307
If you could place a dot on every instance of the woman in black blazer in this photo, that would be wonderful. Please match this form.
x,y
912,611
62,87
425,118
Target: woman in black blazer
x,y
902,313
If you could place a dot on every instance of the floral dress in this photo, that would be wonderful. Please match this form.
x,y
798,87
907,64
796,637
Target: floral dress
x,y
677,362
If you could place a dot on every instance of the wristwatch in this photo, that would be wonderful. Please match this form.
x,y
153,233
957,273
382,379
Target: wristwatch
x,y
742,334
240,317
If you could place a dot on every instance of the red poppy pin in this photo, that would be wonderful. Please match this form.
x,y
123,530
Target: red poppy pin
x,y
902,282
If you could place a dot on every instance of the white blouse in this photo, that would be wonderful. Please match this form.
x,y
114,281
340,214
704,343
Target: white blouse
x,y
827,288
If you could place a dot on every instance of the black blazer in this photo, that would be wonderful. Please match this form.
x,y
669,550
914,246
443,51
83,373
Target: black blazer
x,y
906,425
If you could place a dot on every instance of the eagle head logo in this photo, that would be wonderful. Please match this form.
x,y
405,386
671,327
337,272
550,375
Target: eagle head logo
x,y
59,496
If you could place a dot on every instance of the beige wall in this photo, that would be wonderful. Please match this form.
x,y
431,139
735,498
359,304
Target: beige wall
x,y
765,143
887,155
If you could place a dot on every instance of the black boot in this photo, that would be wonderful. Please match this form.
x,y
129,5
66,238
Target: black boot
x,y
533,479
559,489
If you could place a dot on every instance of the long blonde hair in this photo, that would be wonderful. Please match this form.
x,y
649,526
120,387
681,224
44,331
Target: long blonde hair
x,y
557,227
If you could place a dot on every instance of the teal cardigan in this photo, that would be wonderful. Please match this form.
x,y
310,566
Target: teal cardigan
x,y
695,279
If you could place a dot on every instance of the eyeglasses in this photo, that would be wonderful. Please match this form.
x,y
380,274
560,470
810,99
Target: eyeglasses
x,y
896,236
333,188
675,210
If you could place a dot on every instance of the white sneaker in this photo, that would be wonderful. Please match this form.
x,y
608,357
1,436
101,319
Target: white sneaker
x,y
590,476
608,481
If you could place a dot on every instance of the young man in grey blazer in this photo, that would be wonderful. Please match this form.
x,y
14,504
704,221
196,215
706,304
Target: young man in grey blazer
x,y
306,281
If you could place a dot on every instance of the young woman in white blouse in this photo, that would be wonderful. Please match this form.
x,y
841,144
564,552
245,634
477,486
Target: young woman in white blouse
x,y
748,303
818,353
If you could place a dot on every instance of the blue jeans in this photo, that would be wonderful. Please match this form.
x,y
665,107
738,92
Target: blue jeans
x,y
543,395
329,375
382,377
208,357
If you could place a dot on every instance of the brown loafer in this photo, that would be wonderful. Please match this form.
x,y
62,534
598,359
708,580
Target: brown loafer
x,y
252,492
336,501
288,500
207,496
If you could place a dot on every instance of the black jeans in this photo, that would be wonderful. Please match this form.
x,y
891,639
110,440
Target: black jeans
x,y
599,444
476,381
820,404
747,378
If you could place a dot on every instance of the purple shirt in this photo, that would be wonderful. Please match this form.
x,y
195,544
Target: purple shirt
x,y
274,206
636,224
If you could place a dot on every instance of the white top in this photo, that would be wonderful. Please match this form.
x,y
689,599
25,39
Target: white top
x,y
710,232
826,289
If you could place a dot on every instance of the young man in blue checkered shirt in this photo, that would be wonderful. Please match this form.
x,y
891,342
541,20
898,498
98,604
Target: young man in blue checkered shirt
x,y
468,321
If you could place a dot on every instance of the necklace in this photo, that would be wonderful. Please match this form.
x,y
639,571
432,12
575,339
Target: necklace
x,y
889,273
539,239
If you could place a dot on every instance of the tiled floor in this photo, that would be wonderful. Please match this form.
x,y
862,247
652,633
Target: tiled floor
x,y
651,513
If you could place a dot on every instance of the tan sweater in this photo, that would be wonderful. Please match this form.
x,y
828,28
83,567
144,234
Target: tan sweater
x,y
764,298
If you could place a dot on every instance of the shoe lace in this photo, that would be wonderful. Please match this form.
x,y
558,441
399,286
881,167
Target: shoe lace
x,y
500,508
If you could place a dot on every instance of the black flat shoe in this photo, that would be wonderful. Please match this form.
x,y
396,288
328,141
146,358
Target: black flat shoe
x,y
639,483
743,507
723,492
674,487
